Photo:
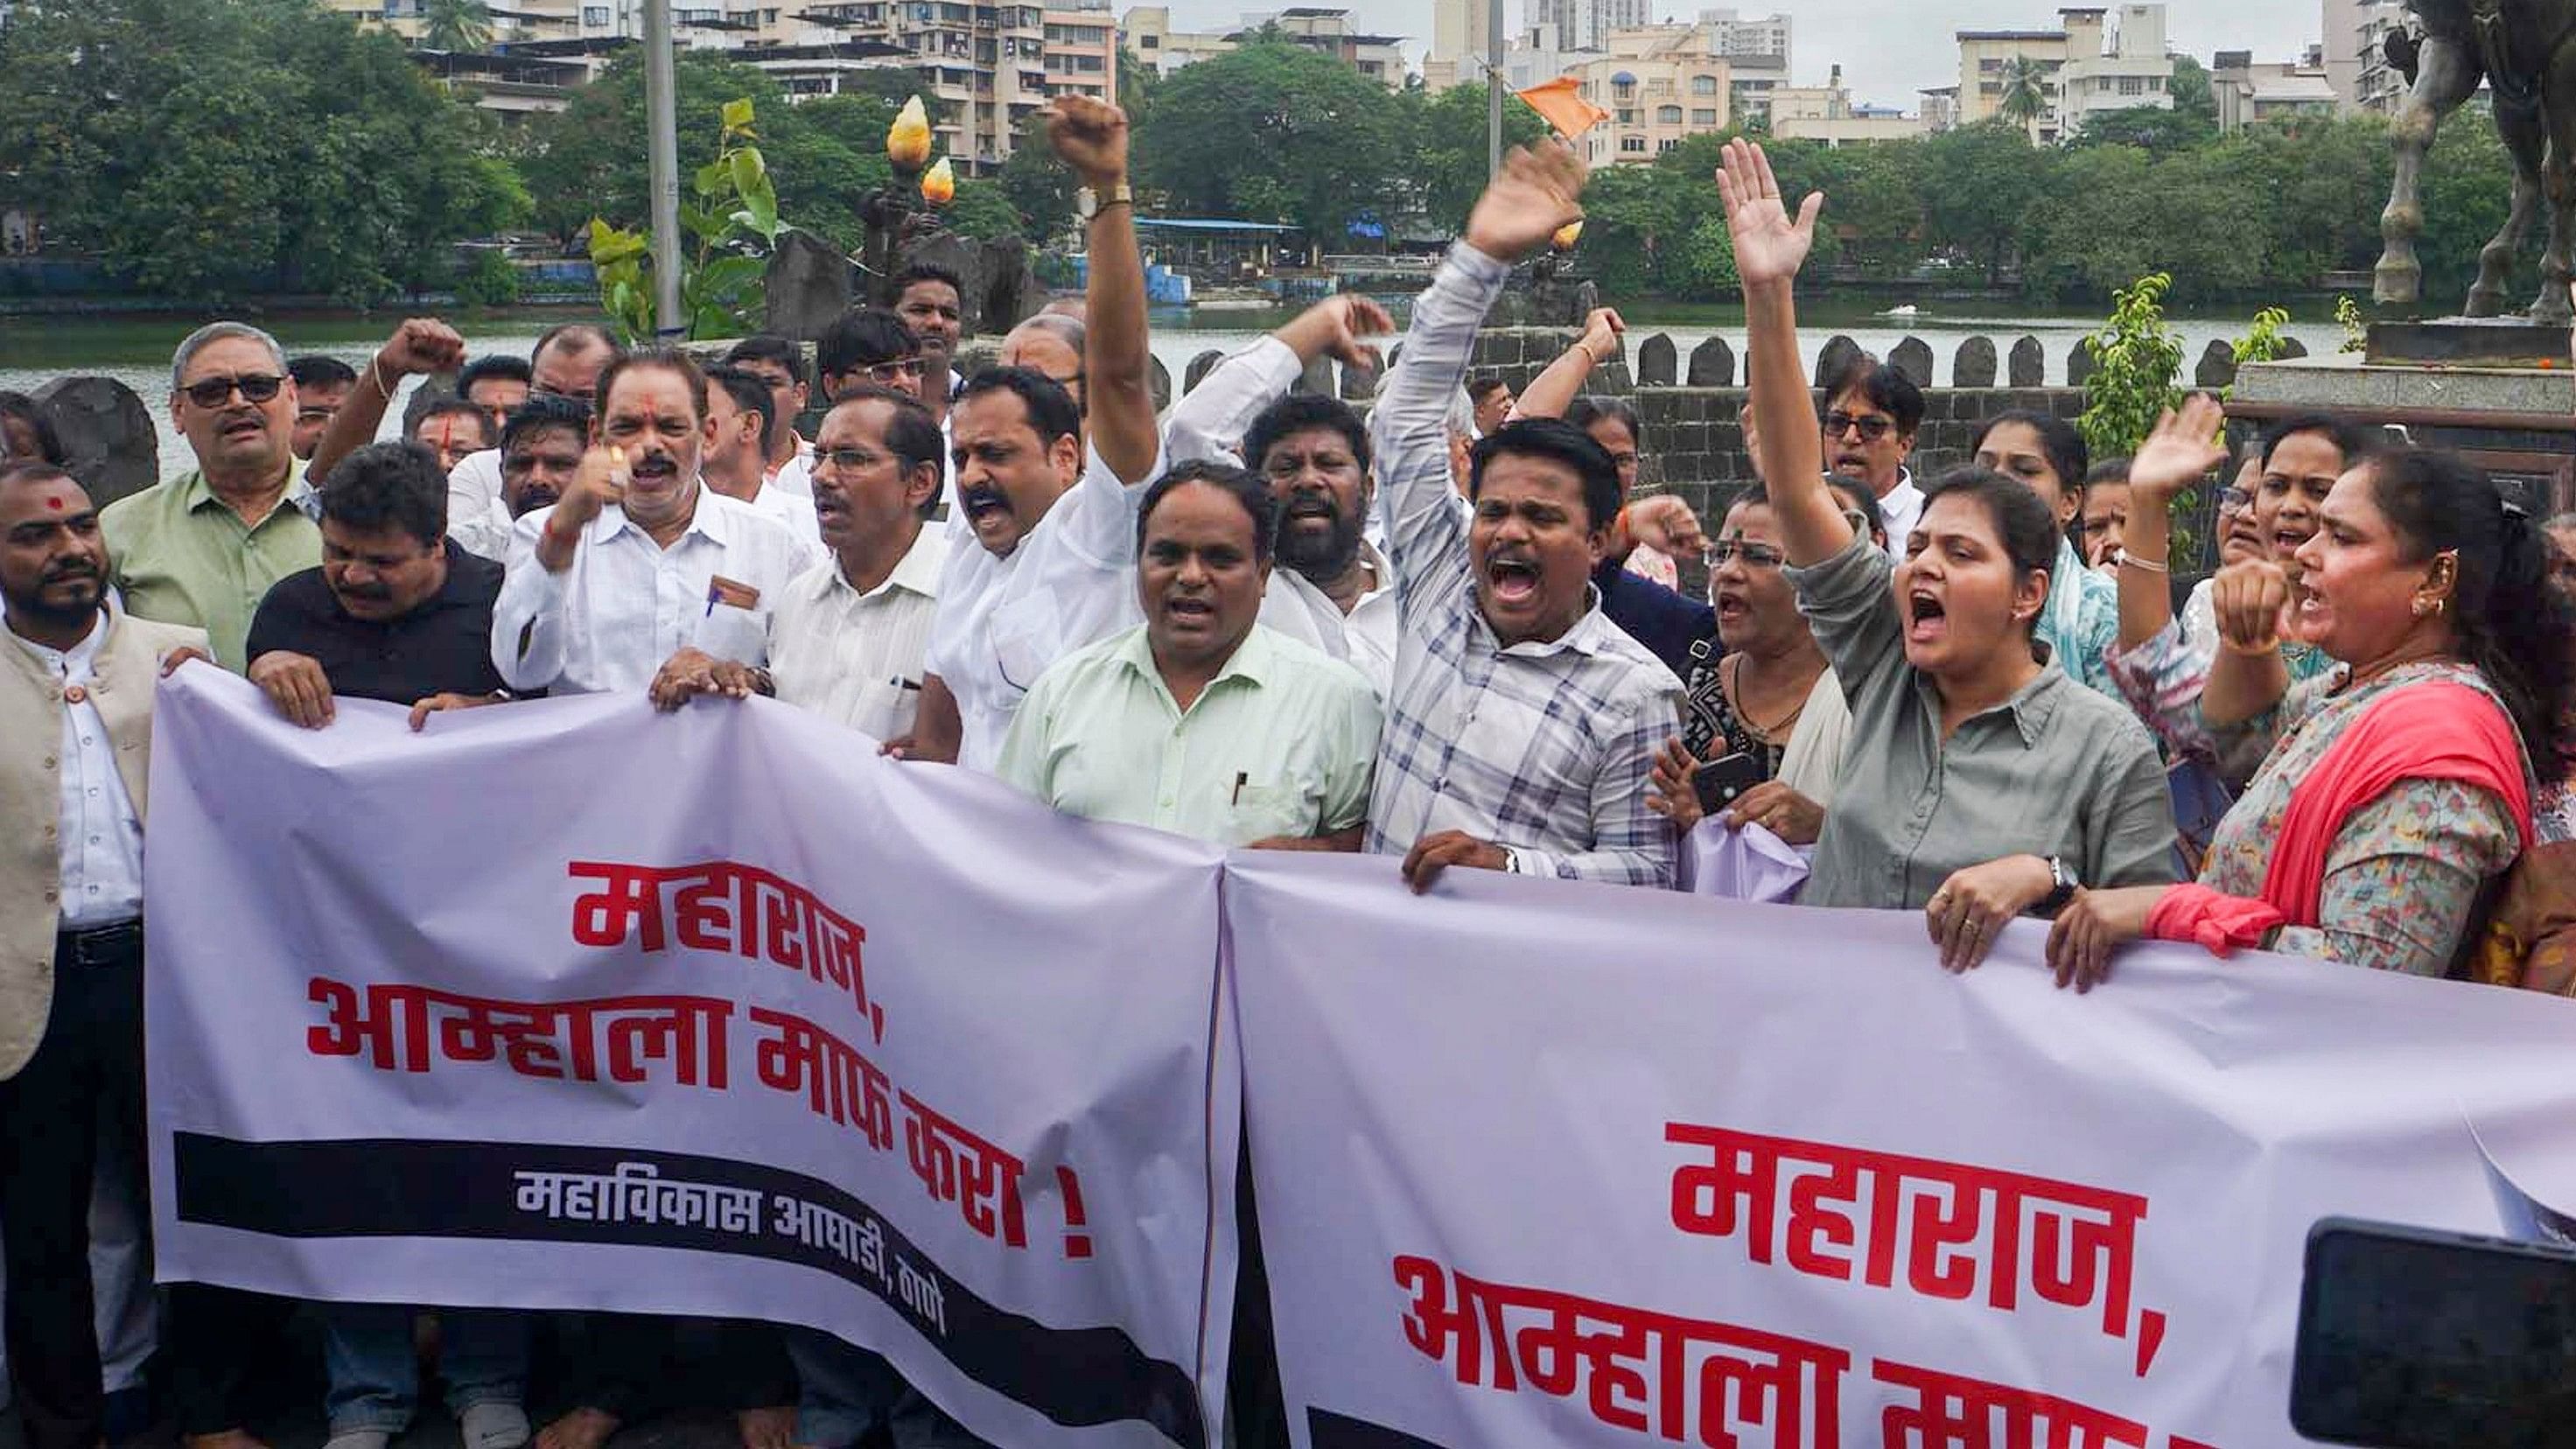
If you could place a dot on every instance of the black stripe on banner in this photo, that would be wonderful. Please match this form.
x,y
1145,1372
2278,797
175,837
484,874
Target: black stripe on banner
x,y
407,1188
1328,1430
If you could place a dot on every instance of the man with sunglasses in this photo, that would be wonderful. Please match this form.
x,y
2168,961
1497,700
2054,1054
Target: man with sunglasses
x,y
204,548
1869,424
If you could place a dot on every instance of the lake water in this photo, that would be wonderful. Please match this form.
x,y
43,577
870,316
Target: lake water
x,y
136,351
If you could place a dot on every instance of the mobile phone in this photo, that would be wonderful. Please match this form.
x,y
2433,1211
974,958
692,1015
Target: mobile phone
x,y
2412,1338
1719,781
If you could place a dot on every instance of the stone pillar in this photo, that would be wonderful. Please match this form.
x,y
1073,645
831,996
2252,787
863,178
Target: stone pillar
x,y
1712,364
1655,361
1975,364
107,435
2028,366
1913,358
1836,359
2217,367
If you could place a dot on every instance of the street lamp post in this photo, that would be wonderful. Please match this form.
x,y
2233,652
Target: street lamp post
x,y
662,123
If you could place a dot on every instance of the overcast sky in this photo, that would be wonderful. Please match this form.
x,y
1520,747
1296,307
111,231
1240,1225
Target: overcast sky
x,y
1888,49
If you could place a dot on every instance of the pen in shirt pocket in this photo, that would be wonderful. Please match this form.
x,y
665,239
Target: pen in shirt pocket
x,y
905,683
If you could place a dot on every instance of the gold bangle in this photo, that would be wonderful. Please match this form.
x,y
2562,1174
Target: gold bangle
x,y
376,372
2151,565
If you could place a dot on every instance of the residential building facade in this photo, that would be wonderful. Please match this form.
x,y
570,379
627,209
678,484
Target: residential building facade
x,y
1826,113
2249,92
1660,84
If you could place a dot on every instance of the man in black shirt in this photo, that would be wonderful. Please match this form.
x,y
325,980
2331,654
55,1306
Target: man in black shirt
x,y
397,611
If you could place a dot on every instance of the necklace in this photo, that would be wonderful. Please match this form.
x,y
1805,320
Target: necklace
x,y
1732,681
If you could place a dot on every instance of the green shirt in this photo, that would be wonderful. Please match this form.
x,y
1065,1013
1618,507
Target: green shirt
x,y
182,556
1280,743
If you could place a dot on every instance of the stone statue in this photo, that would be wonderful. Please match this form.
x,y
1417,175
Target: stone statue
x,y
2516,46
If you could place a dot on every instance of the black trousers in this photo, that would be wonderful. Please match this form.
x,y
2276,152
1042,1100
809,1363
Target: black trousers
x,y
80,1094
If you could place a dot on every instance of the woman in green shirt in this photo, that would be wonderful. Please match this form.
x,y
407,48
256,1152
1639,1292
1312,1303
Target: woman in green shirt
x,y
1979,783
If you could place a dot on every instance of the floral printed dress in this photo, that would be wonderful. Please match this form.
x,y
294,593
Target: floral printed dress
x,y
2403,875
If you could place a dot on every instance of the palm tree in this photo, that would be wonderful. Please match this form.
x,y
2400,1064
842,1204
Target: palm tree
x,y
2025,91
454,25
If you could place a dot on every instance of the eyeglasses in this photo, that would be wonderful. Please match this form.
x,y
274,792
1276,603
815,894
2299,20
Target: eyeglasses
x,y
887,372
847,460
1872,427
1755,555
255,387
2234,500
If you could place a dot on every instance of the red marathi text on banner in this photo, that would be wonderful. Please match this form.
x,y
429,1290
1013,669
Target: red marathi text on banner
x,y
723,905
406,1028
1684,1379
1958,1231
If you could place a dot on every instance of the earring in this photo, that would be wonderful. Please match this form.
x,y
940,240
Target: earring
x,y
2420,610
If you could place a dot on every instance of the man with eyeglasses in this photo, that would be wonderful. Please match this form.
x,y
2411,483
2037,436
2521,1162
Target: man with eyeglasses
x,y
1870,421
205,547
867,347
849,634
322,383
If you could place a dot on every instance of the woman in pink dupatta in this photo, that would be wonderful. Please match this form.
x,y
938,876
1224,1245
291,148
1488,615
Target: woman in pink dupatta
x,y
2402,783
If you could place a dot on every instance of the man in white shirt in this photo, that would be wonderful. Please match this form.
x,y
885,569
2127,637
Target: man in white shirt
x,y
781,364
1870,419
1040,565
567,362
1314,454
1241,412
736,460
638,558
931,301
848,637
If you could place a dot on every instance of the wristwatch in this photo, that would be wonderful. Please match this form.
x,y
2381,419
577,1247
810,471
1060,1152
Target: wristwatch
x,y
1087,203
2062,886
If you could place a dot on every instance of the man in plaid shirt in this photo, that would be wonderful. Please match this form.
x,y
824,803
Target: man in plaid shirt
x,y
1523,724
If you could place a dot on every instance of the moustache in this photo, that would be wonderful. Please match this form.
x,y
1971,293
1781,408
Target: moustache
x,y
60,572
655,465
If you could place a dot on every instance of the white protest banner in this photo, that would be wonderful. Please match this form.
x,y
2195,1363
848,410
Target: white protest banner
x,y
1545,1163
570,1005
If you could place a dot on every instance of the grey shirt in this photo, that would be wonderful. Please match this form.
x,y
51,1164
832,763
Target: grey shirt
x,y
2058,769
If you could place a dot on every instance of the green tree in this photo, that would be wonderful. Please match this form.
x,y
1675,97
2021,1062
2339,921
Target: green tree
x,y
1451,146
1275,133
1038,187
1983,187
216,151
454,25
2157,130
825,155
2191,90
2024,97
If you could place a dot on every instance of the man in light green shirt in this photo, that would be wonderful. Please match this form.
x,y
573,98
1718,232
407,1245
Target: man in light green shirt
x,y
203,548
1200,721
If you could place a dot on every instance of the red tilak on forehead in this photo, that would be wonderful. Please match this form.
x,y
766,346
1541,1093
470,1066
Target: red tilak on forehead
x,y
55,503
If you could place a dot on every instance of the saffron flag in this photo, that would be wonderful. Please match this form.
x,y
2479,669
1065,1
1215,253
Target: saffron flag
x,y
1561,102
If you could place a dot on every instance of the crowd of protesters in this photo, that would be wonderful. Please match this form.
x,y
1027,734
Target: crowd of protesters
x,y
1447,633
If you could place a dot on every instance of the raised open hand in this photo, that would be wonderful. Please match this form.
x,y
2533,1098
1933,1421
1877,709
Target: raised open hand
x,y
1770,244
1539,189
2183,447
